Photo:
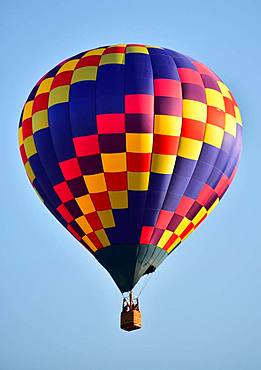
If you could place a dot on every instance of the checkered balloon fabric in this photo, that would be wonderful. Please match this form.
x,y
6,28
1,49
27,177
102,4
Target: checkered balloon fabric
x,y
130,145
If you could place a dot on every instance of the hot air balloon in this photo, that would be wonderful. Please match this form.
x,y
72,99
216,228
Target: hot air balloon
x,y
130,147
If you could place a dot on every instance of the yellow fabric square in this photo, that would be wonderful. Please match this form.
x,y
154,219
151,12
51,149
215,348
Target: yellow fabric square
x,y
189,148
194,110
114,162
153,47
136,49
29,171
163,163
106,218
215,99
139,143
40,120
238,115
88,73
230,124
173,245
27,112
164,238
94,52
138,180
199,216
113,58
119,199
29,146
89,243
20,135
182,226
95,183
85,203
84,224
213,135
102,236
45,86
68,66
213,206
224,89
59,95
167,125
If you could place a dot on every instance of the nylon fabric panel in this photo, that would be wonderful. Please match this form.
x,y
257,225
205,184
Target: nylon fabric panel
x,y
130,145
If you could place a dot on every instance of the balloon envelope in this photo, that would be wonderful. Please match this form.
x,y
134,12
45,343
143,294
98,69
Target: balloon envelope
x,y
130,147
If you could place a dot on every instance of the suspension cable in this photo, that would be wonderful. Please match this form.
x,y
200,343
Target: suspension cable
x,y
146,280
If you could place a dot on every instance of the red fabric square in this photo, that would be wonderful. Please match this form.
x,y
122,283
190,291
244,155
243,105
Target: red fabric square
x,y
116,181
70,169
65,213
93,237
111,123
23,154
27,128
229,106
138,162
204,194
94,221
170,241
139,103
222,185
215,116
101,201
233,99
63,192
187,230
164,219
146,234
86,145
40,102
165,144
184,205
114,49
167,87
193,129
188,75
91,60
72,231
63,78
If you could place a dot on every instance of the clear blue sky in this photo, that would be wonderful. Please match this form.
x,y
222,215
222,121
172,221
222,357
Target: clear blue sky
x,y
59,309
